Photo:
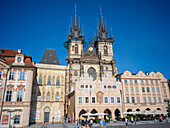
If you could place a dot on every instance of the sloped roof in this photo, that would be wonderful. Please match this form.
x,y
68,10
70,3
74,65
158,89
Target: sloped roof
x,y
50,57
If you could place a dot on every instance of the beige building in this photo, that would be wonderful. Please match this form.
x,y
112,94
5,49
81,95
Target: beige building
x,y
16,79
144,91
96,96
49,90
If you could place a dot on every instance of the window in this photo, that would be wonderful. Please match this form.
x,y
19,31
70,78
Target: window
x,y
153,89
0,74
159,99
137,90
163,84
22,75
111,99
118,99
136,81
80,100
156,81
19,95
127,74
151,81
57,98
109,86
105,51
126,89
149,99
140,74
92,72
40,80
138,100
104,86
38,96
131,88
76,49
86,99
131,81
11,75
8,95
17,119
90,86
152,75
75,73
127,99
93,100
144,99
72,48
49,80
142,82
157,88
48,97
148,89
125,81
143,89
58,81
86,86
133,99
154,99
146,81
19,59
82,86
105,100
164,92
106,68
114,87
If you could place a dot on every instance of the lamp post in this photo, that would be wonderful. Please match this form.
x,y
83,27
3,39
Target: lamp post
x,y
122,101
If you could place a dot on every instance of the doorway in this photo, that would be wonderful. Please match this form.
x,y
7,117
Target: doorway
x,y
46,116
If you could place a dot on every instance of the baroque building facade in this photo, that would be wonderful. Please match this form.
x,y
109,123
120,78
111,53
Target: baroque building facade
x,y
17,73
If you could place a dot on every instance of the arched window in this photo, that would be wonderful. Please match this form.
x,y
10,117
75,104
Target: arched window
x,y
105,51
57,98
48,97
49,80
40,80
75,73
58,81
38,96
76,49
92,72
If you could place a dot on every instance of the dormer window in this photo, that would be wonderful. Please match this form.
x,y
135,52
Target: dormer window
x,y
19,59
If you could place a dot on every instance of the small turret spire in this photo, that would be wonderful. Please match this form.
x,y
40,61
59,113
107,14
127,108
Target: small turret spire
x,y
111,35
79,22
83,30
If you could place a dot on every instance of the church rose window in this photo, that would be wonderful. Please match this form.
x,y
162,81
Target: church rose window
x,y
92,72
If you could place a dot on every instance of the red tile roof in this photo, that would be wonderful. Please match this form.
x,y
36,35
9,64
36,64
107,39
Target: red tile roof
x,y
9,57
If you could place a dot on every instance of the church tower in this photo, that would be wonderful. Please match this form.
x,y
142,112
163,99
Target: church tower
x,y
74,44
104,47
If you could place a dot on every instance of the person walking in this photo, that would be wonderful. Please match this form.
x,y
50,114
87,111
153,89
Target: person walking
x,y
91,123
126,122
45,125
115,121
101,123
132,120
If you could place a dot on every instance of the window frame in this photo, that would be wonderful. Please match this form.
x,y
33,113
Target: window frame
x,y
80,97
19,95
22,76
8,96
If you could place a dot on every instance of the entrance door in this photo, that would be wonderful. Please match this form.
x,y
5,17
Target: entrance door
x,y
46,116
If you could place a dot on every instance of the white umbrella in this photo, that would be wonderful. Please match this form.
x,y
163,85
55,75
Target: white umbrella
x,y
87,114
124,113
148,112
160,112
96,114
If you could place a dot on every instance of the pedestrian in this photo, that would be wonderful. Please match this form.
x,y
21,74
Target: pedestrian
x,y
132,120
135,120
91,122
166,118
101,123
88,126
104,123
45,125
115,121
76,123
126,121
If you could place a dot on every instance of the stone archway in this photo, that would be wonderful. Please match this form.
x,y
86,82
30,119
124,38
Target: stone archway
x,y
158,109
137,109
94,111
129,110
108,112
46,114
117,113
148,109
82,112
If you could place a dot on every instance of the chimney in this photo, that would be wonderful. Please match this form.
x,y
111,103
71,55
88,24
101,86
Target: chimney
x,y
19,50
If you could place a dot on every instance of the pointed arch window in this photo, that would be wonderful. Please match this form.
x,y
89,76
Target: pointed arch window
x,y
75,73
38,96
76,49
40,80
92,72
58,81
57,98
48,97
105,51
49,80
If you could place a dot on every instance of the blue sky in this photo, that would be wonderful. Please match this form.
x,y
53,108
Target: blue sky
x,y
141,29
